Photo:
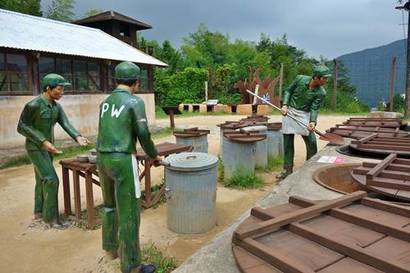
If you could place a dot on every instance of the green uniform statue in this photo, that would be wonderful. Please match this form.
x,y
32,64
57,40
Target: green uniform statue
x,y
122,121
302,99
37,124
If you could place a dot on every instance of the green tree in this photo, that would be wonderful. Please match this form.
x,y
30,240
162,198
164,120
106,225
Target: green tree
x,y
31,7
61,10
92,12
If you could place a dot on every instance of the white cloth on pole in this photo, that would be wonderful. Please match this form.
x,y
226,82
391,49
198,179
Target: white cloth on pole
x,y
290,126
136,176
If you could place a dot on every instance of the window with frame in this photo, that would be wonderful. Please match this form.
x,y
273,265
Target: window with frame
x,y
84,76
13,74
144,81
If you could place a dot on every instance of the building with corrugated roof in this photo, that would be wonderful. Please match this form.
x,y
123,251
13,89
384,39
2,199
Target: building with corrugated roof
x,y
85,52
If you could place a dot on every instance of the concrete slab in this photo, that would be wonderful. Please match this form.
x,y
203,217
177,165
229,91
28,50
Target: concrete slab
x,y
216,257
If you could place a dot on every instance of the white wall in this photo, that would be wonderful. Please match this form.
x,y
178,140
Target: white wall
x,y
82,111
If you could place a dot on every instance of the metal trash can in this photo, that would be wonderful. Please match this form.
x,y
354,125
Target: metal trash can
x,y
195,137
261,156
239,155
191,180
275,139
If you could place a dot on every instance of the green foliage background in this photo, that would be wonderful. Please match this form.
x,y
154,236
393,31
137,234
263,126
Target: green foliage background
x,y
213,57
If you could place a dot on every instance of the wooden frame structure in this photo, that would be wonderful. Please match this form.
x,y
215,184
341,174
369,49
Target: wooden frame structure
x,y
390,176
375,143
352,233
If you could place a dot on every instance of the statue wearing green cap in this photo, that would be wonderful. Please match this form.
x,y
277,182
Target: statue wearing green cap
x,y
37,124
122,121
302,99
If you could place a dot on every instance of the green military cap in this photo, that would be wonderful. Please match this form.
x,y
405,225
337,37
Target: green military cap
x,y
127,71
54,80
322,71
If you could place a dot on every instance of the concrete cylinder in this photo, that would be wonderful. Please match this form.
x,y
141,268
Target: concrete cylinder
x,y
238,158
275,140
200,143
261,156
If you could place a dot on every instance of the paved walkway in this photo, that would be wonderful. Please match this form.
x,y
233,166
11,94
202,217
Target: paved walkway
x,y
216,257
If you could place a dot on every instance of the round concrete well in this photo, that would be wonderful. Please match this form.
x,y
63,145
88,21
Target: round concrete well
x,y
337,178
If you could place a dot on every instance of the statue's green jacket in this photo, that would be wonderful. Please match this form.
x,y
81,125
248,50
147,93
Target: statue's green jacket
x,y
122,121
37,122
299,96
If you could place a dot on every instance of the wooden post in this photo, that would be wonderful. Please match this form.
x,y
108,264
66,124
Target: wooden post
x,y
334,95
392,82
171,119
77,194
280,81
89,199
66,190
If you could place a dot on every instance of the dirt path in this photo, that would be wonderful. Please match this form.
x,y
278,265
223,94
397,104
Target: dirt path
x,y
35,249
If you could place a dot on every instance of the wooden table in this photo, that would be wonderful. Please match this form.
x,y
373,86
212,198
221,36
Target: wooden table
x,y
87,170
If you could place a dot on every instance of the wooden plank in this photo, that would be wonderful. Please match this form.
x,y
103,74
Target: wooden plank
x,y
348,265
392,250
273,224
386,206
361,170
402,161
371,224
360,254
367,222
278,260
384,147
364,140
381,166
389,183
392,167
350,232
395,175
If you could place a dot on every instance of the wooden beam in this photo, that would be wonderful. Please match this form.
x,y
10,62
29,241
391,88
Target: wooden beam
x,y
386,206
302,214
381,166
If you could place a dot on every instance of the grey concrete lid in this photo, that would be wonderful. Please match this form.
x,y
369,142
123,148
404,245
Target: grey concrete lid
x,y
191,161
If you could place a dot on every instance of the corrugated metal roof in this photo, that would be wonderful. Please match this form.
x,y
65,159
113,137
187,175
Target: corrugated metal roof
x,y
28,32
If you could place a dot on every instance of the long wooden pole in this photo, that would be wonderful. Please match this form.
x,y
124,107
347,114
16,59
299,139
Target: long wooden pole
x,y
334,96
392,82
280,81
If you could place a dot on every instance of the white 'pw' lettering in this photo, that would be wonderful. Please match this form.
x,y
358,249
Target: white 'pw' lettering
x,y
114,112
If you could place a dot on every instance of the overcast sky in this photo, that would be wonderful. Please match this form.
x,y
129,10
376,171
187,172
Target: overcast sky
x,y
322,27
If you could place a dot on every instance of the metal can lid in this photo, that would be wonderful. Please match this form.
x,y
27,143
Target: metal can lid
x,y
192,161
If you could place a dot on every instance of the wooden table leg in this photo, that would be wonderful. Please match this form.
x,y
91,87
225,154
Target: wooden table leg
x,y
77,199
147,184
66,191
90,199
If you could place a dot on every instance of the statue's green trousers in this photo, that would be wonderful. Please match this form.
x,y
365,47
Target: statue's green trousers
x,y
289,148
121,211
46,188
